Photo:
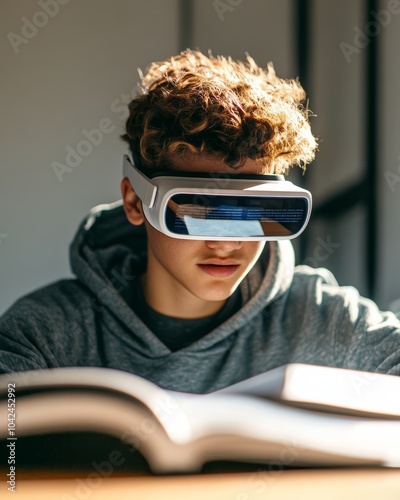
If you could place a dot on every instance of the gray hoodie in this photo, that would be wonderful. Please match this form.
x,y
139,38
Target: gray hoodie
x,y
289,314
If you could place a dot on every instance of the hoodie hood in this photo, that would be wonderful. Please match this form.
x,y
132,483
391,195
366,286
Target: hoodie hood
x,y
108,252
286,316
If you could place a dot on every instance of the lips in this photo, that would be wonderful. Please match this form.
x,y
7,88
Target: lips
x,y
219,268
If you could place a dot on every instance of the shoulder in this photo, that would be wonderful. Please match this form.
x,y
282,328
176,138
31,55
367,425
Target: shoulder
x,y
44,328
51,302
318,292
342,327
313,275
321,285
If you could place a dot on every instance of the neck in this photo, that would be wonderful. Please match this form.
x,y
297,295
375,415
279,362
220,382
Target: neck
x,y
174,300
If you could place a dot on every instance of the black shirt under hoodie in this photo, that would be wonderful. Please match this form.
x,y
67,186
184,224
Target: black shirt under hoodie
x,y
177,333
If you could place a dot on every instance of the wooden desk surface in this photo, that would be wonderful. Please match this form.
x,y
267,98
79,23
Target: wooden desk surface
x,y
335,484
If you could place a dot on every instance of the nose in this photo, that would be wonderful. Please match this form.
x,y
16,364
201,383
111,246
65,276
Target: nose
x,y
225,246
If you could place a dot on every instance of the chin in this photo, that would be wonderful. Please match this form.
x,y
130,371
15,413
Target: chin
x,y
217,295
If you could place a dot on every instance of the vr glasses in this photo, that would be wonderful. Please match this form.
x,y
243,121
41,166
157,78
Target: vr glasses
x,y
210,206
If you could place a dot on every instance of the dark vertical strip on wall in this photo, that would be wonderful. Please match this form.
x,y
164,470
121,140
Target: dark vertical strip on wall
x,y
186,24
302,40
371,147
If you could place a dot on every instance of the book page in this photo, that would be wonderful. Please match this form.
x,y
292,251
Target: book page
x,y
337,390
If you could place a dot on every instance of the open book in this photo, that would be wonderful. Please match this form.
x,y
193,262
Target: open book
x,y
301,415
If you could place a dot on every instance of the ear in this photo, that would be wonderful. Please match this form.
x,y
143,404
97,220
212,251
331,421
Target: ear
x,y
132,203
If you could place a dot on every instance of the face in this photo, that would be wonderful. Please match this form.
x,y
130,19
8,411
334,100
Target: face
x,y
190,278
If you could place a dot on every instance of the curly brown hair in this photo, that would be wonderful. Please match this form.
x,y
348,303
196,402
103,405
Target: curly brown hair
x,y
192,104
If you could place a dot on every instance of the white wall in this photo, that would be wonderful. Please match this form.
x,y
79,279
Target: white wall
x,y
389,175
337,98
262,28
71,74
336,94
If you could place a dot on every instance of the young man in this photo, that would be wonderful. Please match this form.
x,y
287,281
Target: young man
x,y
199,309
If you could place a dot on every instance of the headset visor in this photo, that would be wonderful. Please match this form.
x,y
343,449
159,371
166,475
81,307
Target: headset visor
x,y
202,206
235,216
